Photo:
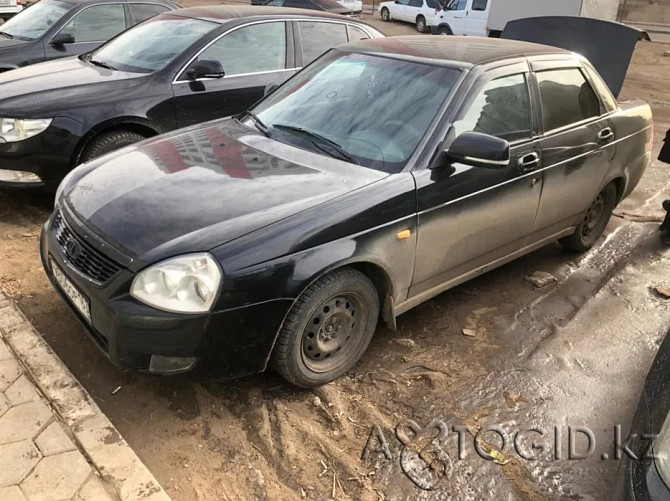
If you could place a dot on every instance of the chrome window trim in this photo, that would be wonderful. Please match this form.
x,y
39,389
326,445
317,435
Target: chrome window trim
x,y
279,19
122,4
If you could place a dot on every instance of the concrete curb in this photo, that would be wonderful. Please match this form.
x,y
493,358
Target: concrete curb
x,y
94,434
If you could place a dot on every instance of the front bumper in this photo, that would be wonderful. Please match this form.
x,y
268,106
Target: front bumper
x,y
48,155
230,343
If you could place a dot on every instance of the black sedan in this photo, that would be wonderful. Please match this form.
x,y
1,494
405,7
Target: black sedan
x,y
386,172
644,468
174,70
52,29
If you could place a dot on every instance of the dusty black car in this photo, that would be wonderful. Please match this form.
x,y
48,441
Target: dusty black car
x,y
386,172
174,70
53,29
644,468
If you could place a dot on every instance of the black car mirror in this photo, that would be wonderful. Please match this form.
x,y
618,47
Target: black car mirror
x,y
62,39
205,68
479,150
270,88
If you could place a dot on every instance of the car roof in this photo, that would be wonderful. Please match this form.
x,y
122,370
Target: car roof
x,y
223,13
447,50
171,3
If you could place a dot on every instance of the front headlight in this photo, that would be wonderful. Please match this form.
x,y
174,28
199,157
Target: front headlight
x,y
15,129
184,284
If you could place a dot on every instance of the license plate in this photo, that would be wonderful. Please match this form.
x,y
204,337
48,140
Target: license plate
x,y
78,299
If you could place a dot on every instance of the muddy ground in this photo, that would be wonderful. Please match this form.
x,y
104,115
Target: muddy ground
x,y
573,353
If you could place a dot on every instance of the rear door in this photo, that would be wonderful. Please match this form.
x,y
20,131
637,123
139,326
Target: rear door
x,y
90,27
476,20
576,144
470,217
252,56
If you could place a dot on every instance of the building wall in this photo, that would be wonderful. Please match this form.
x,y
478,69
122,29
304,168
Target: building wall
x,y
645,11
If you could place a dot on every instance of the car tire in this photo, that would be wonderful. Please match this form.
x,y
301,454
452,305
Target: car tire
x,y
386,15
108,142
420,24
444,30
328,329
594,222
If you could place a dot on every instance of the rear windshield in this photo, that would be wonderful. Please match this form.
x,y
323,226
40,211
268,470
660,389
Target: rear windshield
x,y
35,21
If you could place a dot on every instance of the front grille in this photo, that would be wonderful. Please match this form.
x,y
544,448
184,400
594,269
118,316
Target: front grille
x,y
80,254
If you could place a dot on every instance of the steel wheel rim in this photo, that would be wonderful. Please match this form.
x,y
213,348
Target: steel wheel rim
x,y
333,332
385,15
593,218
421,25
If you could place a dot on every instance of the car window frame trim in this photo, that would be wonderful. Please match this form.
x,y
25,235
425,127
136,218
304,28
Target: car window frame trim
x,y
181,71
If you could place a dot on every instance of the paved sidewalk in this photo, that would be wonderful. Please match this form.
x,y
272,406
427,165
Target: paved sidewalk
x,y
55,443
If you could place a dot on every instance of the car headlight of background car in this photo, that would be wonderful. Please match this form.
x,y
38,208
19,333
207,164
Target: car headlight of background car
x,y
15,129
184,284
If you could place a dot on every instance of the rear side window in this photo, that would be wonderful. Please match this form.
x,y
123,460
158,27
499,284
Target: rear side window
x,y
501,109
416,3
355,33
479,4
602,89
433,4
567,98
318,37
250,49
97,24
144,11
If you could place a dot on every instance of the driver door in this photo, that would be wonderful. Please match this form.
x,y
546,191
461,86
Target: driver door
x,y
89,28
470,217
252,57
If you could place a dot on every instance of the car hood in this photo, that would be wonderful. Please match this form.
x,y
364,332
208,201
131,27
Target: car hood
x,y
201,187
58,82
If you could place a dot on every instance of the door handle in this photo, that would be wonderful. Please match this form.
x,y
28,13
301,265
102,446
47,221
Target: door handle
x,y
529,162
606,135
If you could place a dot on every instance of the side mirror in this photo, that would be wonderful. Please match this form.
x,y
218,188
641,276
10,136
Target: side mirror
x,y
62,39
205,68
479,150
270,88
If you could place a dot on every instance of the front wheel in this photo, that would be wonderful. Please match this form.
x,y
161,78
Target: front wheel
x,y
108,142
386,16
421,24
594,222
328,329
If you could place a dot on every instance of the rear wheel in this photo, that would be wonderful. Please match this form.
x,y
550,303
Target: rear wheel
x,y
386,16
108,142
328,329
420,24
594,222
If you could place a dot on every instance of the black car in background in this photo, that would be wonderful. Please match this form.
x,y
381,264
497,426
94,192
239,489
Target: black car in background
x,y
644,468
322,5
52,29
175,70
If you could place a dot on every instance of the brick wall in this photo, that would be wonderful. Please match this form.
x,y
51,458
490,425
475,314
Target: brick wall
x,y
646,11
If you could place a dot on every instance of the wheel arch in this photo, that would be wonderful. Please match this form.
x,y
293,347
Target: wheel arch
x,y
131,124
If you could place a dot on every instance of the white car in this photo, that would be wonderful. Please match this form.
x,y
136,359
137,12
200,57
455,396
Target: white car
x,y
354,5
463,17
10,7
418,12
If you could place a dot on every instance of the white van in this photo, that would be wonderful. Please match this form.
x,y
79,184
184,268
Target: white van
x,y
488,17
10,7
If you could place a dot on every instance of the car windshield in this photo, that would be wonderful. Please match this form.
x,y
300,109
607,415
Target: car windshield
x,y
34,22
365,109
152,45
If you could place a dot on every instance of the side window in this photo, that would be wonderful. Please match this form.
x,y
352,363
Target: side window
x,y
355,33
97,23
433,4
144,11
479,4
403,2
318,37
251,49
602,89
501,109
275,3
416,3
566,98
457,5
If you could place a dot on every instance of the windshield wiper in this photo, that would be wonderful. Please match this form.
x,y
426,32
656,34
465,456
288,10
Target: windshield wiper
x,y
102,64
318,138
258,123
8,35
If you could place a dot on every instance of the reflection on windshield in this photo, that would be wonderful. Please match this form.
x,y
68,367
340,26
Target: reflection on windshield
x,y
152,45
373,109
33,22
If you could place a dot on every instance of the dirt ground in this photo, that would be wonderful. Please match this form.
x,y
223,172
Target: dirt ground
x,y
572,353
